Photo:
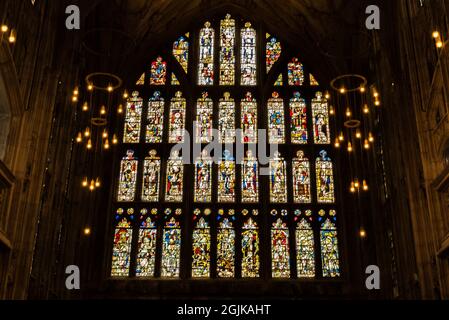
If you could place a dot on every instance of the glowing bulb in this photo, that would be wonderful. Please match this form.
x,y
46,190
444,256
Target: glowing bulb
x,y
331,111
114,139
341,137
370,137
377,103
87,133
327,95
103,110
97,183
352,188
365,109
366,144
12,36
90,87
125,95
362,89
85,183
110,88
376,94
349,147
348,112
85,106
105,134
439,44
342,90
92,185
86,231
362,233
106,145
337,143
120,109
435,34
4,28
89,144
358,134
356,184
79,138
76,91
74,99
365,186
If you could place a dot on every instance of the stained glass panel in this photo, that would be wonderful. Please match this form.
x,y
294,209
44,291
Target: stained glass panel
x,y
227,51
204,119
175,177
158,72
155,119
121,252
295,73
325,179
280,250
249,119
225,249
177,119
128,177
201,250
171,249
133,119
146,247
226,119
280,81
203,179
320,115
151,178
298,114
273,52
250,249
248,56
174,80
206,59
250,179
141,80
276,124
313,81
305,250
301,179
278,179
181,52
329,249
226,178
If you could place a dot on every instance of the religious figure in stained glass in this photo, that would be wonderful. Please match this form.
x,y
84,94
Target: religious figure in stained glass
x,y
206,60
278,179
248,56
305,249
273,52
325,179
203,179
201,249
226,178
280,250
146,247
301,179
121,252
227,51
249,119
320,115
151,178
329,248
226,119
177,119
298,115
276,124
133,119
225,249
204,119
158,74
175,177
181,52
171,249
250,179
295,73
155,119
128,177
250,249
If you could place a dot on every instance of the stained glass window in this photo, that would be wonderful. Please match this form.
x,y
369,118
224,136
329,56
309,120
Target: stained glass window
x,y
204,119
158,72
226,119
174,80
279,81
155,119
329,247
206,60
325,179
171,249
227,51
226,178
175,178
278,179
141,80
146,248
249,119
301,179
121,252
295,73
225,247
280,250
248,56
201,249
298,115
250,179
276,124
313,81
177,119
305,248
181,52
273,52
151,178
133,119
250,249
128,178
320,115
203,179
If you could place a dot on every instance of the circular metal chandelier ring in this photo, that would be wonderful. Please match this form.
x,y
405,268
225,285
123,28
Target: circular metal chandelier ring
x,y
348,78
114,82
99,122
352,124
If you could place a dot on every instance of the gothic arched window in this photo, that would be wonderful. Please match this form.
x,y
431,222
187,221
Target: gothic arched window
x,y
182,212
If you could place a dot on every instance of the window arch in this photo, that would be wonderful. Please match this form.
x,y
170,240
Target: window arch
x,y
199,217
